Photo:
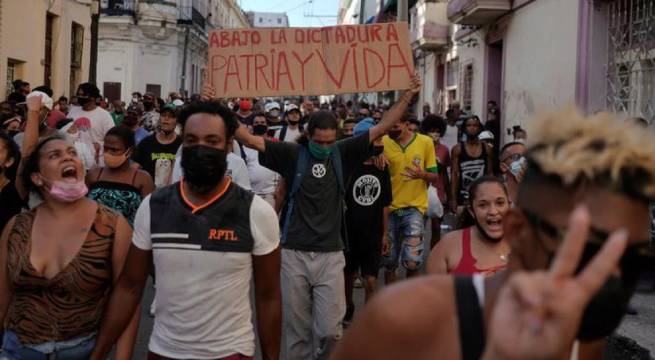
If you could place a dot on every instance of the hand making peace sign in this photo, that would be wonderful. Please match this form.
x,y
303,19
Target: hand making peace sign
x,y
537,314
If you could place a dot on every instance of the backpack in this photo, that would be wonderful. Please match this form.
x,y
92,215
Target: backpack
x,y
242,150
302,166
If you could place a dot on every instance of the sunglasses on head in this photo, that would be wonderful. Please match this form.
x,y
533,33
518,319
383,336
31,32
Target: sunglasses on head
x,y
633,262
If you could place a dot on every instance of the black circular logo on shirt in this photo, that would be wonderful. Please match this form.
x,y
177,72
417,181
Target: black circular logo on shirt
x,y
366,190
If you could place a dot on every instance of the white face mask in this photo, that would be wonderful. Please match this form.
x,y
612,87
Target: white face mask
x,y
516,166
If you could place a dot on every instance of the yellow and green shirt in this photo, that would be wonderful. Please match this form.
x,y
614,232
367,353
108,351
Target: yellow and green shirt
x,y
418,152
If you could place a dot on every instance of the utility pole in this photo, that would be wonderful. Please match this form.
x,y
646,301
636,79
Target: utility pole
x,y
402,11
95,19
184,55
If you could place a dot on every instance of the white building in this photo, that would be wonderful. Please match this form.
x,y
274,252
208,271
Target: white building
x,y
141,44
45,43
267,19
435,55
529,55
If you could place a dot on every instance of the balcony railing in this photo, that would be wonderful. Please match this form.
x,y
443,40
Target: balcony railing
x,y
430,28
117,7
477,12
189,15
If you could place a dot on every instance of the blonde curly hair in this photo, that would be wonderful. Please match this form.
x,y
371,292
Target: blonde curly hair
x,y
599,149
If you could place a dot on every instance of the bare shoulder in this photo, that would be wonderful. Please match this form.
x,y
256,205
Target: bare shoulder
x,y
451,239
92,175
457,149
402,321
143,175
442,254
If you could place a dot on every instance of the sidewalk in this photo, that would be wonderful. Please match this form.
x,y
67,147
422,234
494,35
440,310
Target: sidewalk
x,y
636,336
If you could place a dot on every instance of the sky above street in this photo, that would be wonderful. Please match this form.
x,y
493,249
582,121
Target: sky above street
x,y
302,13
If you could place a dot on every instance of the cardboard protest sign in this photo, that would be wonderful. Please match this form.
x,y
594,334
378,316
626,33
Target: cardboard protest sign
x,y
310,61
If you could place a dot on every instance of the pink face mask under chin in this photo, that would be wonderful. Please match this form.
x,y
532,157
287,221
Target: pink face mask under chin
x,y
68,192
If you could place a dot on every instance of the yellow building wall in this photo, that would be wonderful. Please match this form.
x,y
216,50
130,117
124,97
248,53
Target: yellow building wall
x,y
22,39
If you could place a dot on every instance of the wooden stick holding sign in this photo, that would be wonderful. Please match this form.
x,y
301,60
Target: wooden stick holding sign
x,y
310,61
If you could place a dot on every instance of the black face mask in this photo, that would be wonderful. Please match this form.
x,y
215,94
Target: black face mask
x,y
204,167
83,100
378,150
604,312
259,129
13,133
606,309
294,123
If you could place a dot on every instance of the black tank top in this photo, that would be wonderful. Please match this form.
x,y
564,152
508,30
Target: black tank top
x,y
470,168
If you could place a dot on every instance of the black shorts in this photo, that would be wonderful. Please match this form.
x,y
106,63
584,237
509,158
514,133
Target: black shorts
x,y
364,251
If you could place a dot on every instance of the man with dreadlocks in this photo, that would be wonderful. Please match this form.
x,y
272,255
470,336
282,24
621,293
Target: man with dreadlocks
x,y
564,281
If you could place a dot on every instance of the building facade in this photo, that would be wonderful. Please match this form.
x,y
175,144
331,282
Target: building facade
x,y
45,43
597,54
267,19
435,54
158,46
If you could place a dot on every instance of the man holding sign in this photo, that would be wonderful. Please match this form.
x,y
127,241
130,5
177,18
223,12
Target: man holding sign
x,y
312,258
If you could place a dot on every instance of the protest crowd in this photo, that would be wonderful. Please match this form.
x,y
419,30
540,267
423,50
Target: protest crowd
x,y
257,218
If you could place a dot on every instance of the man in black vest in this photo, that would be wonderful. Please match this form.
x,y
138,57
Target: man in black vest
x,y
207,237
315,170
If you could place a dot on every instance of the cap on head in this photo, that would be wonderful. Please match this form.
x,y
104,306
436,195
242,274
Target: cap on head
x,y
486,135
45,99
291,107
363,126
169,109
271,106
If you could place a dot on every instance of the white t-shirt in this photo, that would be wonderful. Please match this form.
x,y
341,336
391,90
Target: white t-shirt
x,y
290,136
449,139
203,302
100,119
236,169
263,181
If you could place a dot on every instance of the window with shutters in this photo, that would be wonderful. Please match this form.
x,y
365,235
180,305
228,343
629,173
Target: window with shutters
x,y
467,86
